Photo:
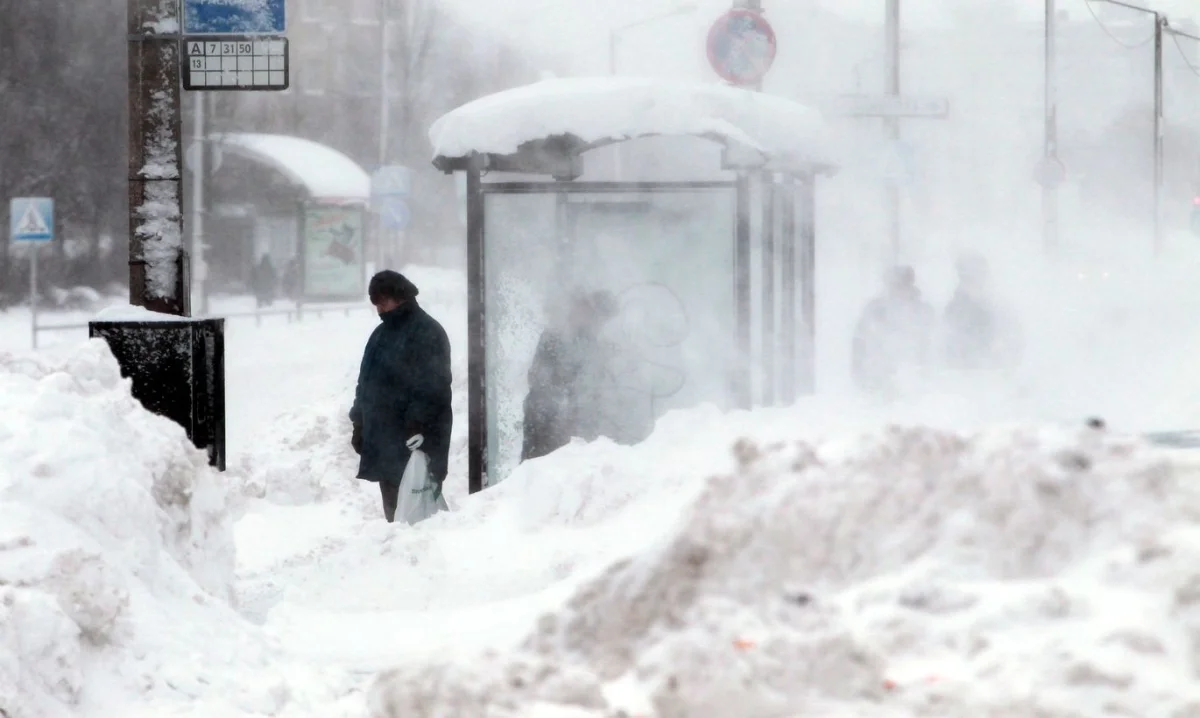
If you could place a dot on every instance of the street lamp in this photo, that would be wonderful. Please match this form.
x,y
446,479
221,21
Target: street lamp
x,y
615,33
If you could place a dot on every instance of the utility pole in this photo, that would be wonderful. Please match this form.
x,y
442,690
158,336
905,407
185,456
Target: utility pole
x,y
157,276
892,124
1050,156
1160,24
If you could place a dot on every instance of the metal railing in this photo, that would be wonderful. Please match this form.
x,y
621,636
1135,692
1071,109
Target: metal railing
x,y
295,313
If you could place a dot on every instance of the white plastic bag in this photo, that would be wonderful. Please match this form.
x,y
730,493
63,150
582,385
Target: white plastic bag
x,y
417,500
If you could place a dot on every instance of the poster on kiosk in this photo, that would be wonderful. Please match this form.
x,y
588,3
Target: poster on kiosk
x,y
332,252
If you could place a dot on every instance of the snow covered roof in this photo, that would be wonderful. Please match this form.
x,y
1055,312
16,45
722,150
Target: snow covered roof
x,y
573,115
322,170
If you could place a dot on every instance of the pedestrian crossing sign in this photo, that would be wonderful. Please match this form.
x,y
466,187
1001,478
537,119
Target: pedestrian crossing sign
x,y
31,219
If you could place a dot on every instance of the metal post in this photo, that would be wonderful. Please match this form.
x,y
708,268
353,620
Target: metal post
x,y
156,281
808,280
385,110
1160,23
477,428
385,67
741,380
756,6
33,277
1161,27
209,150
200,143
788,372
1049,188
769,338
892,124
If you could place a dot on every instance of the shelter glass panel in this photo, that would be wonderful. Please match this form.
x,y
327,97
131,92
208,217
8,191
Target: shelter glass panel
x,y
604,310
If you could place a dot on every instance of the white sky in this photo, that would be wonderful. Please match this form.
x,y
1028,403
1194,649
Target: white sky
x,y
577,30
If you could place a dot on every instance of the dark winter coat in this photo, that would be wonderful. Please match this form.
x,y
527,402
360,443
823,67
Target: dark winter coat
x,y
404,390
978,335
264,280
893,333
560,403
971,330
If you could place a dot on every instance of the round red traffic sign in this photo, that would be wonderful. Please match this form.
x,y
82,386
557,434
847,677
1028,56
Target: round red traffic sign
x,y
741,46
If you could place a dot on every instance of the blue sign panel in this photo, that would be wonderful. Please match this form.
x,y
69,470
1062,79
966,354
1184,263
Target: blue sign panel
x,y
395,213
234,17
31,219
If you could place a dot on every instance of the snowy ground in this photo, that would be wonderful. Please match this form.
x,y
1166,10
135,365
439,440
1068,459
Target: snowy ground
x,y
932,571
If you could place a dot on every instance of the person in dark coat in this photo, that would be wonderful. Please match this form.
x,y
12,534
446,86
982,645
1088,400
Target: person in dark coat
x,y
566,369
264,280
893,335
402,402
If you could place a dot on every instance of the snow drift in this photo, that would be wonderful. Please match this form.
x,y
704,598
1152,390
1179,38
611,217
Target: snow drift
x,y
116,553
1010,573
103,507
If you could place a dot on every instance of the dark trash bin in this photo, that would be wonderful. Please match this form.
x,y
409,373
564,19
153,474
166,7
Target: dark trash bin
x,y
177,369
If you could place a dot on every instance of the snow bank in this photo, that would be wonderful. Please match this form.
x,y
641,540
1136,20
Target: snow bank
x,y
116,553
1013,572
598,109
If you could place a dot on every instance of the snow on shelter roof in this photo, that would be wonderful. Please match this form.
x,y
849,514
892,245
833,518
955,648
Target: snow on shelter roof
x,y
594,111
322,170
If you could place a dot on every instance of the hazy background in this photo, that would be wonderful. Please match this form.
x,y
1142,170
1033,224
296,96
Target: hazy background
x,y
62,78
62,133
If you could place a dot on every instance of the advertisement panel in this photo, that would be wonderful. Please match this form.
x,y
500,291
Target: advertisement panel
x,y
332,252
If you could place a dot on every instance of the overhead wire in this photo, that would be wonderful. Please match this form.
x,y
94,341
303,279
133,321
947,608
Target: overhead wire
x,y
1114,38
1195,69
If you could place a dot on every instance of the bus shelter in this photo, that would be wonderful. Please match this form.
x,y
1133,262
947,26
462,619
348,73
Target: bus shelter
x,y
689,206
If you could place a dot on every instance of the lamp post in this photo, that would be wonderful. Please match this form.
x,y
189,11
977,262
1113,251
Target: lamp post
x,y
614,34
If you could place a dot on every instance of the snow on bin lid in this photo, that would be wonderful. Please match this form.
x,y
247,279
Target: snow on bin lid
x,y
132,313
323,171
601,110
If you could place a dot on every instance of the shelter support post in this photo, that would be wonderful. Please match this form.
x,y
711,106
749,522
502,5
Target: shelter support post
x,y
808,280
743,373
787,261
769,340
477,438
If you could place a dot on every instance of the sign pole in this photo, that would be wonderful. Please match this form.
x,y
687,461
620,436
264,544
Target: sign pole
x,y
156,276
33,282
31,222
200,149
